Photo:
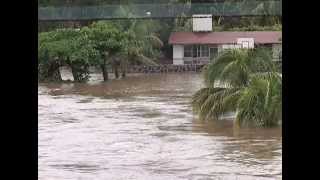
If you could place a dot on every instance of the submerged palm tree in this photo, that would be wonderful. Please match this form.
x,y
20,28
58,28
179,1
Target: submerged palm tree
x,y
235,66
260,103
244,81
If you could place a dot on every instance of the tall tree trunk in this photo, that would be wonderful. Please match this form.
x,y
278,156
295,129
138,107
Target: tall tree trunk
x,y
56,75
53,73
74,70
75,74
123,66
104,72
116,71
123,75
115,65
80,72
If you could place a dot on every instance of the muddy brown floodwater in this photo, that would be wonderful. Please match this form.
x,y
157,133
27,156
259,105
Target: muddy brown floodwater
x,y
143,128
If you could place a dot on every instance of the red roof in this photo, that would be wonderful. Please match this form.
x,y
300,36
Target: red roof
x,y
260,37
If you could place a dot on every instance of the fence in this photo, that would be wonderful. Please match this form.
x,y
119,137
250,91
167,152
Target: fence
x,y
167,68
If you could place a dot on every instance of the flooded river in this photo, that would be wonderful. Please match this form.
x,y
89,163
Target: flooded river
x,y
143,128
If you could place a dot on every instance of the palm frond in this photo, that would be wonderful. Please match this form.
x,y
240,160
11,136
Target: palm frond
x,y
145,60
254,88
155,40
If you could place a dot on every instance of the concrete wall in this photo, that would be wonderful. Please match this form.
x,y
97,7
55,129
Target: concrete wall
x,y
178,53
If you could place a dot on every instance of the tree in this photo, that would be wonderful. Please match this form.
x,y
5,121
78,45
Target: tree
x,y
82,53
245,81
65,47
102,44
142,42
51,52
235,66
142,45
260,102
108,41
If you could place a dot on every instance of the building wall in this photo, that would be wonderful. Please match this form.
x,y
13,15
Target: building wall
x,y
178,52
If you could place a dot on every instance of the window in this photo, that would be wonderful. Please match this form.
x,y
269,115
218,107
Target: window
x,y
188,51
196,51
204,51
213,52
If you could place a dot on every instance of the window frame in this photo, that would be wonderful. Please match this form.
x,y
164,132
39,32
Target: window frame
x,y
215,52
202,51
188,49
196,51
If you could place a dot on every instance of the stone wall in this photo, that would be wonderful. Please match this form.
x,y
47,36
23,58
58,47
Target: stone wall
x,y
170,68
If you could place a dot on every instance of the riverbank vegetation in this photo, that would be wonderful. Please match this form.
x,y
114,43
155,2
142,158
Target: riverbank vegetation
x,y
245,81
102,44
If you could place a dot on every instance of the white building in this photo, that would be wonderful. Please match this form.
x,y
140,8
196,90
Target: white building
x,y
201,45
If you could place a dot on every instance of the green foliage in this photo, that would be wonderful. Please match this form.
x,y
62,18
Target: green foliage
x,y
143,37
143,43
101,44
51,52
105,37
260,102
182,24
275,27
245,81
66,47
234,66
106,41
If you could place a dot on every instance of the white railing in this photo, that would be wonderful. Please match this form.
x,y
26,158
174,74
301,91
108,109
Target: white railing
x,y
196,60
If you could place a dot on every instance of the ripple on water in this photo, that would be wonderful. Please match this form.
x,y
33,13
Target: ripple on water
x,y
148,133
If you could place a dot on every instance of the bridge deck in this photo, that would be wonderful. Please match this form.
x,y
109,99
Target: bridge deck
x,y
67,13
